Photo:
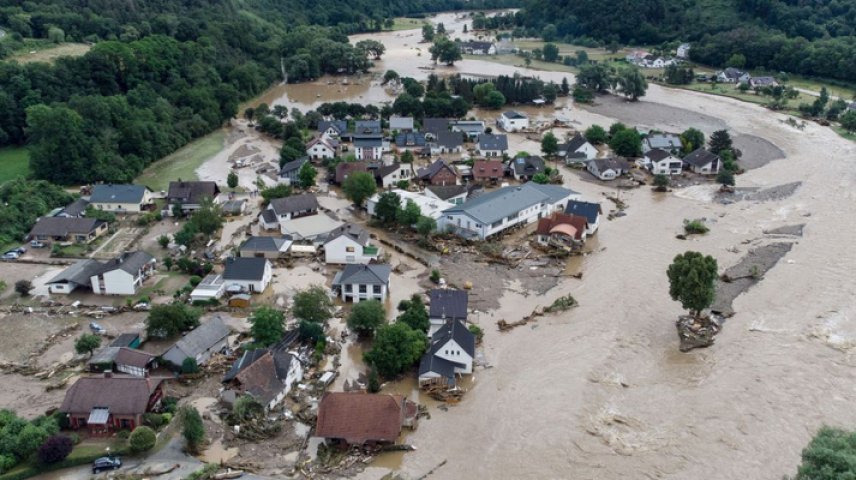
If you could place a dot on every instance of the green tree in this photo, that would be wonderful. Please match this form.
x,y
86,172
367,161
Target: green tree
x,y
232,180
692,139
165,321
359,186
389,76
692,278
306,175
23,287
445,51
596,134
595,76
193,430
409,215
541,178
631,82
272,193
549,33
372,47
549,144
249,114
720,141
312,304
310,331
396,348
388,205
56,135
495,100
87,343
142,439
566,87
848,120
267,326
426,226
208,218
831,455
550,52
406,157
163,241
725,177
627,143
738,60
428,32
661,182
189,366
414,314
366,317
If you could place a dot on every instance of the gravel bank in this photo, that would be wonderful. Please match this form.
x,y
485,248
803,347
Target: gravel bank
x,y
746,273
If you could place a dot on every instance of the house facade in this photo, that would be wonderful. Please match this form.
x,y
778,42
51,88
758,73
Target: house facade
x,y
321,148
120,198
295,206
607,168
438,173
661,162
577,148
67,230
450,355
494,212
189,195
124,275
368,147
105,404
478,48
363,282
703,162
200,343
490,145
349,244
446,142
388,176
512,121
488,171
251,275
591,211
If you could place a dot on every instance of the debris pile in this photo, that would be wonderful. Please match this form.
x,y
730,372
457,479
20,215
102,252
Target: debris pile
x,y
696,332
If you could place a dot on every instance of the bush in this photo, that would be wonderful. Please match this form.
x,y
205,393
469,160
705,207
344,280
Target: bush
x,y
189,365
154,420
23,287
193,430
55,449
123,434
142,439
435,276
695,227
366,316
477,331
310,331
195,280
831,455
169,404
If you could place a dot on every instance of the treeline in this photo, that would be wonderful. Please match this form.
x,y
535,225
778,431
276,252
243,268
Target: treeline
x,y
22,202
514,89
815,39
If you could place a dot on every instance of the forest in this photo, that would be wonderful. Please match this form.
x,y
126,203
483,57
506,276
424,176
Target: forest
x,y
815,38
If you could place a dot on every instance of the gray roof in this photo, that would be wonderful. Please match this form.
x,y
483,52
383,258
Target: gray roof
x,y
191,192
203,337
367,126
456,331
575,143
527,165
700,158
76,208
269,216
364,274
477,45
513,115
448,303
340,126
234,206
428,172
655,155
400,123
498,204
244,268
469,126
449,139
410,139
445,192
763,81
62,226
666,141
352,231
118,194
292,166
435,125
130,262
384,170
586,209
368,141
493,142
613,163
434,364
125,340
296,203
79,273
265,244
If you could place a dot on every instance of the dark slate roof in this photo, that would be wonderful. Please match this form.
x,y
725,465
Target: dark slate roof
x,y
269,216
191,192
79,273
118,194
76,208
656,154
585,209
458,332
340,125
700,158
264,244
575,143
493,142
122,395
367,126
244,268
611,163
247,359
445,192
410,139
368,141
665,141
62,226
385,170
133,358
527,165
435,125
447,303
477,45
295,203
352,231
205,336
469,126
449,139
377,274
513,115
433,169
434,364
125,339
293,165
130,262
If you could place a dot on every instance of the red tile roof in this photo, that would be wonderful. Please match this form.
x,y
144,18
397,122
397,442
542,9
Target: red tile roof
x,y
358,418
487,169
547,225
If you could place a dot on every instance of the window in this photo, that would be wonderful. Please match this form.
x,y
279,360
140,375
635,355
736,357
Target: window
x,y
348,289
376,289
362,289
349,249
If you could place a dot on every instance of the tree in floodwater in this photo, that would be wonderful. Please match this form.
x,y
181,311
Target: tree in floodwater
x,y
691,281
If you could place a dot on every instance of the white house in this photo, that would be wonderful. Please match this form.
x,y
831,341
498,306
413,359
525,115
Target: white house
x,y
577,149
389,175
363,282
296,206
321,148
212,287
349,243
490,145
496,211
661,162
124,274
703,162
450,355
429,205
607,168
512,121
189,195
478,48
200,343
471,128
332,129
454,194
368,147
591,211
684,51
120,198
446,142
78,275
732,75
244,274
266,247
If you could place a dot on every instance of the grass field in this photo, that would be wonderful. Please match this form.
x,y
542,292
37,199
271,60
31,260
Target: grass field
x,y
183,162
726,90
402,23
815,85
14,163
516,61
49,52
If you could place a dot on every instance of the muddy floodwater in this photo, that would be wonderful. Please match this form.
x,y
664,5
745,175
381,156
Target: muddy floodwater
x,y
601,391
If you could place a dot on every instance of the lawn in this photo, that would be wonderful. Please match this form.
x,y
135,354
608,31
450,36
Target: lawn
x,y
516,61
44,51
844,133
14,163
727,90
815,86
183,162
403,23
570,49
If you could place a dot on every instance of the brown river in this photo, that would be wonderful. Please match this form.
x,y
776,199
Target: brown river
x,y
601,391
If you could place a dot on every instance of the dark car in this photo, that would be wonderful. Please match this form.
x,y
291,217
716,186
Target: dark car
x,y
106,463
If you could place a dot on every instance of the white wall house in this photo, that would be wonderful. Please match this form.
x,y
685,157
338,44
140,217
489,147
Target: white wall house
x,y
368,148
120,198
449,356
123,275
321,148
247,274
363,282
512,121
577,149
490,145
429,205
496,211
661,162
350,244
390,175
607,168
703,162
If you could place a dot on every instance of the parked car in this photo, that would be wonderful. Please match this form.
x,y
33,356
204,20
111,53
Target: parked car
x,y
11,255
97,328
21,250
106,463
142,307
38,244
